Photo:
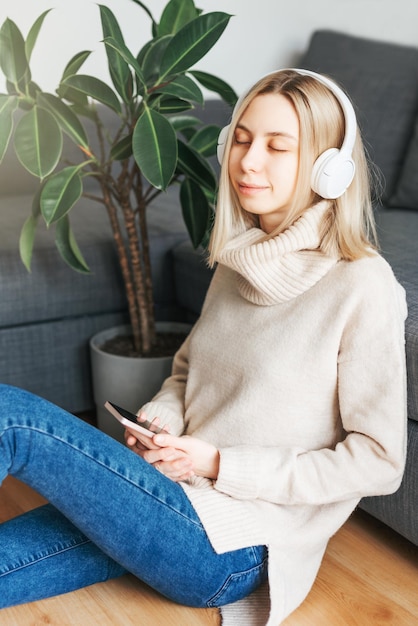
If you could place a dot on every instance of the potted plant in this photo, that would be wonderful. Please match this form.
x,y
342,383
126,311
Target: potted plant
x,y
158,142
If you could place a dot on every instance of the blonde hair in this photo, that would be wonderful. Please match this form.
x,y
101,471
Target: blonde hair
x,y
348,230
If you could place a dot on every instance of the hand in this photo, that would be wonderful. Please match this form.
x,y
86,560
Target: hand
x,y
173,463
138,442
204,457
179,458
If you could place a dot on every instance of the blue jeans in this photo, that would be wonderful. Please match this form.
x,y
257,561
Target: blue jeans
x,y
109,513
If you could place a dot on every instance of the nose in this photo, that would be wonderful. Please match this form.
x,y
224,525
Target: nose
x,y
253,157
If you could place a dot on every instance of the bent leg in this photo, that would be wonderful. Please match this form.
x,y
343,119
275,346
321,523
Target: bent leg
x,y
42,554
139,518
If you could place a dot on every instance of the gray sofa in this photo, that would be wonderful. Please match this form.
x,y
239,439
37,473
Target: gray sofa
x,y
47,318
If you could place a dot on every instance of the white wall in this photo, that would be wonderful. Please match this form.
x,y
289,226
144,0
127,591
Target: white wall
x,y
262,35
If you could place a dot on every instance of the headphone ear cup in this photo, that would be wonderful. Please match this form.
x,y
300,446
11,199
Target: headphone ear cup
x,y
223,135
332,173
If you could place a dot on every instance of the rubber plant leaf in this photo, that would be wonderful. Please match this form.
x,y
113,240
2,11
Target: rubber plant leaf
x,y
33,34
122,149
13,59
127,56
196,210
175,15
215,84
94,88
71,68
195,167
172,106
38,142
118,68
26,241
150,58
154,145
60,193
65,117
205,140
68,247
8,105
184,122
182,87
75,63
192,42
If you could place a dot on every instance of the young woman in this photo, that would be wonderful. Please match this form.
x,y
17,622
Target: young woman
x,y
285,407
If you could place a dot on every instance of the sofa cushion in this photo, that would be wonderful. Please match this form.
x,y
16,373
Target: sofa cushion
x,y
398,235
52,358
406,192
373,73
53,291
399,510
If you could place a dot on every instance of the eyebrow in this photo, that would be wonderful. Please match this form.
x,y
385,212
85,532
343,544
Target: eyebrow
x,y
270,134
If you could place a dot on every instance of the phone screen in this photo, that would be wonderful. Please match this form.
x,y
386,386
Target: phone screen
x,y
130,420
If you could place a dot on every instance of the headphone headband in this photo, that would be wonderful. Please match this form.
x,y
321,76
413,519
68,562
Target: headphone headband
x,y
334,169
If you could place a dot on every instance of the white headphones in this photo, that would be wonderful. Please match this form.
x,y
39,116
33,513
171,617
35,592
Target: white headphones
x,y
333,171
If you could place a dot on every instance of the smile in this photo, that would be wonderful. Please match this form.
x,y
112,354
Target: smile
x,y
248,190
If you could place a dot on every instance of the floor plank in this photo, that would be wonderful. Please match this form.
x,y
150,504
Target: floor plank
x,y
369,577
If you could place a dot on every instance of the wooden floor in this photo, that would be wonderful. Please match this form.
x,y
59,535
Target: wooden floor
x,y
369,577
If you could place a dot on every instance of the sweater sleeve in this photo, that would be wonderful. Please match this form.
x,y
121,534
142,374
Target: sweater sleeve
x,y
168,403
372,400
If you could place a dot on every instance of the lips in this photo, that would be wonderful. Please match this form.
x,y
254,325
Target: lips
x,y
248,189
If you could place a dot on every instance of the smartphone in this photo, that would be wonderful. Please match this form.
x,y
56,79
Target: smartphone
x,y
130,420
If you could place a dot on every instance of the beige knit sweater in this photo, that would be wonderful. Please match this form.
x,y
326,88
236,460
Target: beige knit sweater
x,y
296,372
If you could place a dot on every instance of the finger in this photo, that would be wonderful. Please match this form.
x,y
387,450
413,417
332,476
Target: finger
x,y
130,439
167,440
156,426
146,442
162,455
176,469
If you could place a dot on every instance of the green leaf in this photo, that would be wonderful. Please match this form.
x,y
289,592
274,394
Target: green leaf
x,y
205,140
123,149
8,105
173,105
182,87
68,248
213,83
176,14
13,59
26,241
127,56
38,142
33,34
196,167
94,88
196,210
60,193
72,67
65,117
118,67
75,63
192,42
184,122
150,58
154,147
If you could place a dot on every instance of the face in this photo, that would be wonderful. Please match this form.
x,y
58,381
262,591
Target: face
x,y
264,159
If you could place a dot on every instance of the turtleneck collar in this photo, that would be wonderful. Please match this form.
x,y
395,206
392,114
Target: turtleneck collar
x,y
275,270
